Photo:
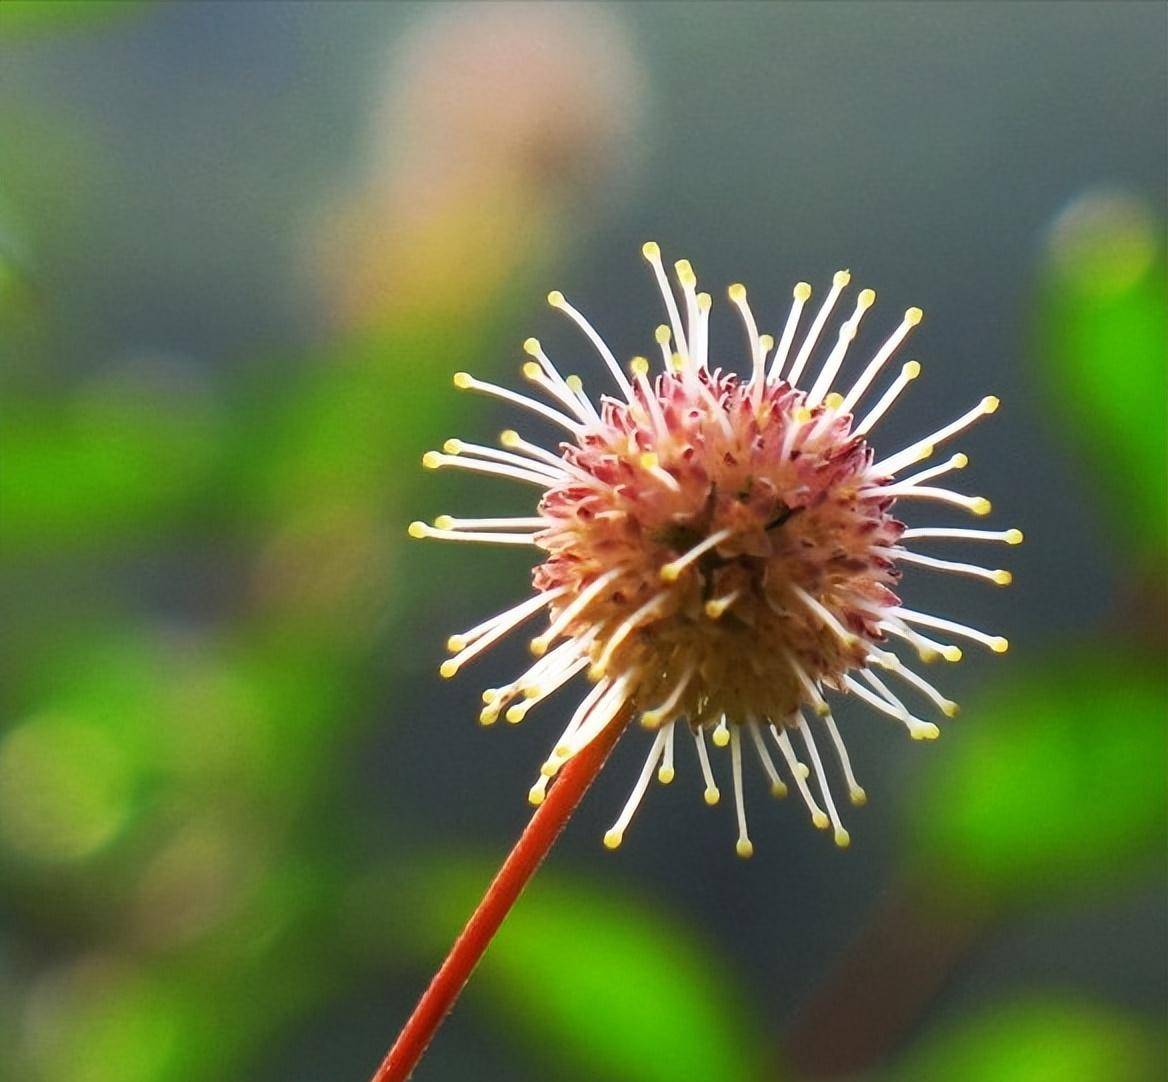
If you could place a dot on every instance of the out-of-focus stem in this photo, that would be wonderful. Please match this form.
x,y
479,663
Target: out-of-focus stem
x,y
533,845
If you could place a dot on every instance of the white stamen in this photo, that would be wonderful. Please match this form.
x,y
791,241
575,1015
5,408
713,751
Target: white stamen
x,y
912,453
813,693
721,734
799,772
449,522
466,382
665,774
743,847
652,253
842,838
1011,537
801,293
911,318
997,576
846,637
613,837
737,293
654,717
514,615
955,462
556,300
917,729
420,529
433,460
553,471
778,787
711,794
929,649
947,706
451,665
578,604
855,791
670,572
995,642
840,280
847,334
978,505
907,374
557,386
626,628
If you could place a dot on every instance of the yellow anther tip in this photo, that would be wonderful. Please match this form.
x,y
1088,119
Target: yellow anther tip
x,y
651,250
952,653
802,291
1000,645
447,669
913,316
650,719
1003,578
515,714
670,573
639,366
767,342
912,370
928,731
866,298
455,643
575,383
822,709
714,609
721,737
665,775
548,769
661,334
802,415
431,460
612,839
950,709
737,292
531,370
535,796
443,522
649,460
1014,537
711,796
705,301
834,400
490,695
843,839
778,790
858,797
744,849
488,717
803,770
417,529
452,447
960,461
538,646
555,298
841,278
531,345
462,380
595,672
820,820
508,437
683,266
990,403
981,506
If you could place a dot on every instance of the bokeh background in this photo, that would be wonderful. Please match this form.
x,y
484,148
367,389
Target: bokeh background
x,y
243,246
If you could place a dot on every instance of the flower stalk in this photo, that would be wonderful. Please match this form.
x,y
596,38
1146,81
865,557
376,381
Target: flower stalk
x,y
534,844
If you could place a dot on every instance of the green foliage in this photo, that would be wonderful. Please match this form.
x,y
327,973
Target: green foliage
x,y
616,988
1039,1038
18,17
1103,339
1055,780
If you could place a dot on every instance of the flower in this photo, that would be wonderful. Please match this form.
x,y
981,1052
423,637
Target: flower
x,y
719,552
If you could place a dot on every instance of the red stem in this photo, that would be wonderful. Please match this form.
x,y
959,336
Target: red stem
x,y
533,845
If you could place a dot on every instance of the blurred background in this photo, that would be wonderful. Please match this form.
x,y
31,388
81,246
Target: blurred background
x,y
242,249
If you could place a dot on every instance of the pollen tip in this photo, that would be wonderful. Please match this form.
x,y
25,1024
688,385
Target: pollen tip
x,y
462,380
530,691
1014,537
575,383
595,671
490,695
665,775
651,250
737,292
925,451
767,341
802,291
842,838
802,415
431,460
822,709
531,370
711,796
705,301
455,643
714,609
555,298
515,713
531,345
562,751
488,716
535,795
999,645
866,298
927,731
952,653
1003,578
841,278
538,646
509,437
670,573
744,848
721,738
444,522
913,316
639,366
778,790
649,461
448,668
820,820
549,769
950,709
981,506
452,447
911,370
661,334
990,403
612,839
858,797
803,770
650,719
960,460
417,529
834,400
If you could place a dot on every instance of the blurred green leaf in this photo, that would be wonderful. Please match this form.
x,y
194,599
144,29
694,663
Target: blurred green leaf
x,y
1039,1039
1103,339
42,16
618,988
1055,779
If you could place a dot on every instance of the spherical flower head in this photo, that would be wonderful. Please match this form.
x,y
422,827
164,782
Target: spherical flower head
x,y
720,551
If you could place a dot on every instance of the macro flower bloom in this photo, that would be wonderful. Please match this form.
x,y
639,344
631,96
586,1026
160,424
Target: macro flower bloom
x,y
720,552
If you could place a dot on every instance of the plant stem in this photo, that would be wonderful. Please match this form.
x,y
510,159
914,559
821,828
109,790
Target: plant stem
x,y
533,845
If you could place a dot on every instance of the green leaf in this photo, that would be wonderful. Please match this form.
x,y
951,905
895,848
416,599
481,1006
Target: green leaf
x,y
1039,1038
1055,780
620,989
1103,341
42,16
